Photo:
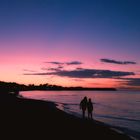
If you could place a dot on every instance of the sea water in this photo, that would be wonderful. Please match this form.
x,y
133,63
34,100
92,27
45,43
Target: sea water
x,y
120,109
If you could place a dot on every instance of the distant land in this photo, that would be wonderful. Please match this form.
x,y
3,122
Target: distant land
x,y
14,87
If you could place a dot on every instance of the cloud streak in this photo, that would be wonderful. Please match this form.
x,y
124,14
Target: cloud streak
x,y
27,70
65,63
117,62
131,81
55,63
74,63
134,82
86,73
58,68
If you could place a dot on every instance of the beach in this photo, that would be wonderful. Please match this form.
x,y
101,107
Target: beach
x,y
28,118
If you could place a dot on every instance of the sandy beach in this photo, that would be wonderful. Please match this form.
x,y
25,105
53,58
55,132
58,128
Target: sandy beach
x,y
26,118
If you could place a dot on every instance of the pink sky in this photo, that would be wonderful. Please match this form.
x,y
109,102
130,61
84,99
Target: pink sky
x,y
32,59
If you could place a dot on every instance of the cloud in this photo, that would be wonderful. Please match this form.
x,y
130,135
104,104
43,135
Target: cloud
x,y
27,70
79,68
74,63
53,69
55,63
134,82
92,73
77,79
66,63
60,67
86,73
117,62
44,68
131,81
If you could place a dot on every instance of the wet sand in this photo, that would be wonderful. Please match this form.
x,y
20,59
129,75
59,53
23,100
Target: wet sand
x,y
27,118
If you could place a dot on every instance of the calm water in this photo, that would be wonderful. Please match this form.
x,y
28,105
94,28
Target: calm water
x,y
117,108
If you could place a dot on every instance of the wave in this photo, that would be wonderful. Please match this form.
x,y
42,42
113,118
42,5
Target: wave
x,y
118,118
69,103
137,101
66,106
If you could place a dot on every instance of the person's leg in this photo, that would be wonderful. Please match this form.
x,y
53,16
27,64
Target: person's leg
x,y
88,115
83,113
91,115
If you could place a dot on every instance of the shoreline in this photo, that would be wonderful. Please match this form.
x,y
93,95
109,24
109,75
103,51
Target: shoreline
x,y
133,134
28,115
118,129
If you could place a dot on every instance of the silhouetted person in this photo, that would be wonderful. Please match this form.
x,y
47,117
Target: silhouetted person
x,y
90,108
83,106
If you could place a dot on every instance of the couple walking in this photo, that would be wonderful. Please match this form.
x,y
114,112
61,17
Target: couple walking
x,y
86,104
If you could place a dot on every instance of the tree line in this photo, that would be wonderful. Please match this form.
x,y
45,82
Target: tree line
x,y
13,87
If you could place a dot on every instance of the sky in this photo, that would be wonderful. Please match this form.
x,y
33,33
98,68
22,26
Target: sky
x,y
90,43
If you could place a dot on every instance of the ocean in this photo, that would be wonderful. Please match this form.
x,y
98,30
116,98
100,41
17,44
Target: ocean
x,y
119,109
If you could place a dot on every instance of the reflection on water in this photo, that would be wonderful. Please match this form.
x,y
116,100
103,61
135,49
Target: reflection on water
x,y
118,108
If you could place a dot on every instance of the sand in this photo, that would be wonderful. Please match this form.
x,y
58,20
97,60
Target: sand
x,y
29,119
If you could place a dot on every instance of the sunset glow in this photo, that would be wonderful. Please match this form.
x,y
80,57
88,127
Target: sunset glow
x,y
34,35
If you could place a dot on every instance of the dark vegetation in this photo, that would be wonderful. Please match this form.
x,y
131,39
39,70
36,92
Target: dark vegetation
x,y
13,87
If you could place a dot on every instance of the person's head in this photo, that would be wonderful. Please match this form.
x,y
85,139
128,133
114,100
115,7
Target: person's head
x,y
89,100
85,98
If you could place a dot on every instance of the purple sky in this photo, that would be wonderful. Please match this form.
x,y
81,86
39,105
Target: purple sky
x,y
101,35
